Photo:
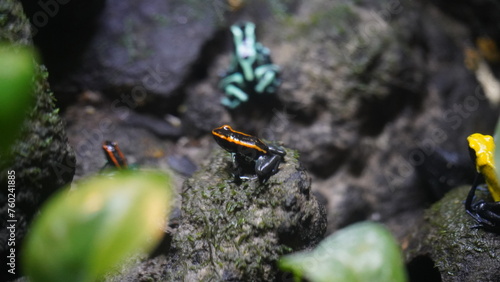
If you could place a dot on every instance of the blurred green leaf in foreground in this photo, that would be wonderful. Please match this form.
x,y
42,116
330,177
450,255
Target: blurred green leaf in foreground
x,y
364,251
17,70
80,234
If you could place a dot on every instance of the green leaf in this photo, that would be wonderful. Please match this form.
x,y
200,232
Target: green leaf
x,y
361,252
17,69
82,233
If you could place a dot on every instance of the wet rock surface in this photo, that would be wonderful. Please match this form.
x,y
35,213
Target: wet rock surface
x,y
42,158
377,96
383,101
231,232
129,47
447,241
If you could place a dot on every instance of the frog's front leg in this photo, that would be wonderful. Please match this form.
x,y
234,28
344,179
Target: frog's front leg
x,y
232,87
238,170
486,214
240,165
267,165
267,78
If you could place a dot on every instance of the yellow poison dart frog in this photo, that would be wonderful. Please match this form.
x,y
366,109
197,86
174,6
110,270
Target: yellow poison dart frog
x,y
487,214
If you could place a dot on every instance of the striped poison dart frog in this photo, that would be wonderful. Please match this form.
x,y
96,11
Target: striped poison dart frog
x,y
250,154
487,214
251,70
114,156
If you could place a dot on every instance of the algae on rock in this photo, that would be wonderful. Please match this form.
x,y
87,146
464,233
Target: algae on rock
x,y
231,232
42,158
449,240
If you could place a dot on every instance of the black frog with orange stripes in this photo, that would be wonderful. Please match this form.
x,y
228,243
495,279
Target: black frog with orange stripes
x,y
250,154
114,155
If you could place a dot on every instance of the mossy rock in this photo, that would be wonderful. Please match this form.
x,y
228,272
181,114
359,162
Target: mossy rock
x,y
42,158
14,26
231,232
448,246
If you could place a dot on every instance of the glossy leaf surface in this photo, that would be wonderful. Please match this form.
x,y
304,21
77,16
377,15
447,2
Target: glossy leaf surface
x,y
82,233
361,252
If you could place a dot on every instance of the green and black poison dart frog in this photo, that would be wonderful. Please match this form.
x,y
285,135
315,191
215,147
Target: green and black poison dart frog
x,y
250,154
251,70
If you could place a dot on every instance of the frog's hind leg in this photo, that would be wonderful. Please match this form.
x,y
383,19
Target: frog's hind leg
x,y
487,215
265,167
231,86
267,77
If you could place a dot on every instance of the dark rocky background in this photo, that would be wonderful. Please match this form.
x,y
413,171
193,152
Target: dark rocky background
x,y
378,97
